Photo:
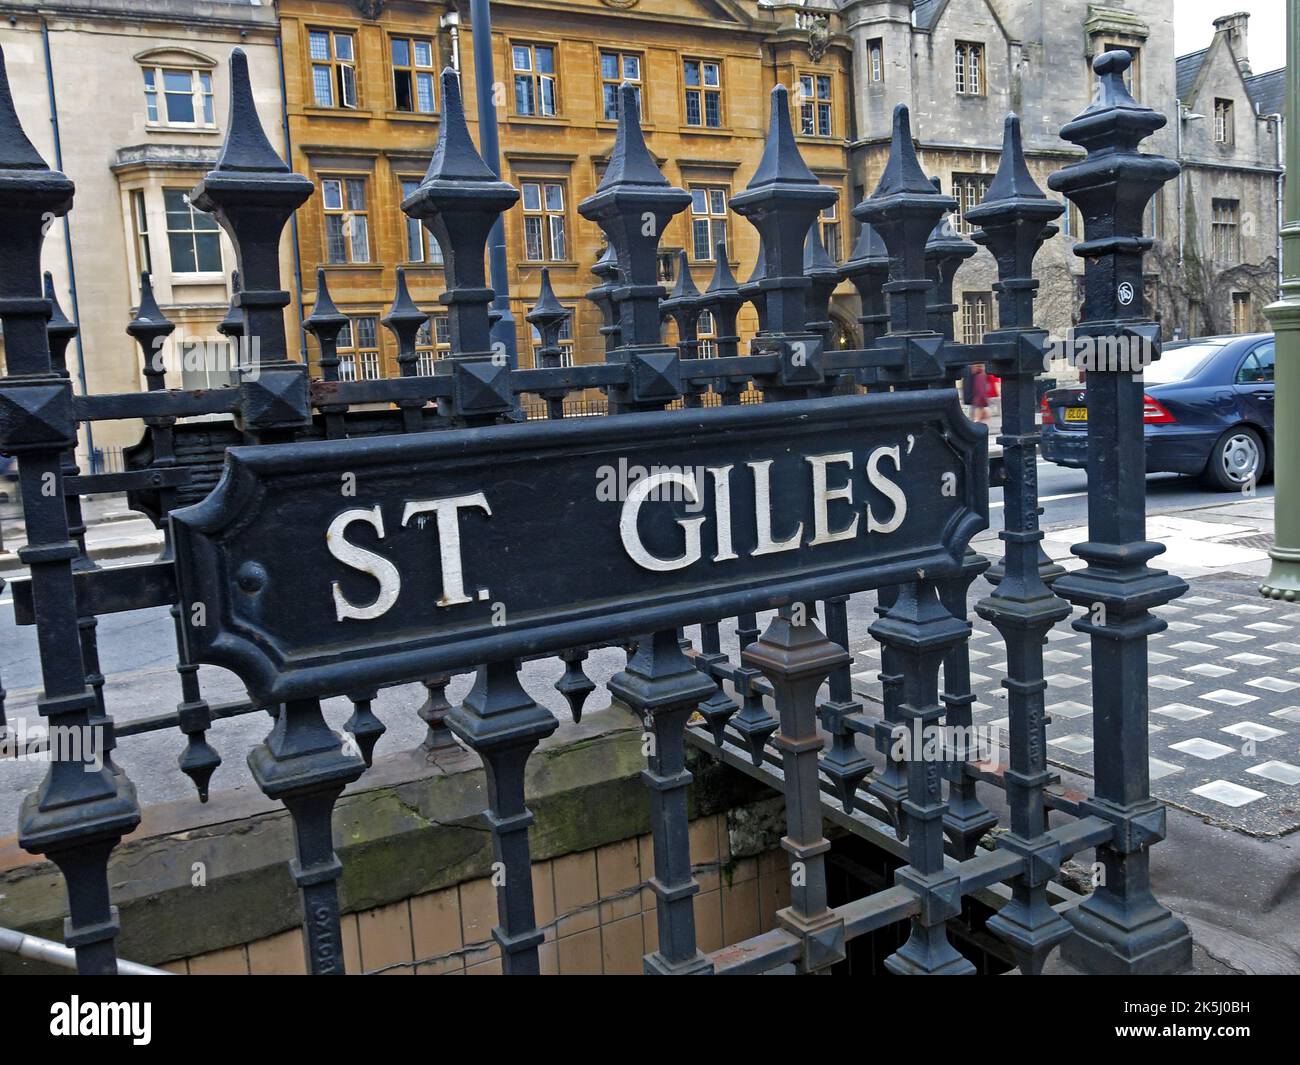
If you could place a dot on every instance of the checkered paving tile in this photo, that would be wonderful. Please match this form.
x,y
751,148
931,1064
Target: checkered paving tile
x,y
1224,704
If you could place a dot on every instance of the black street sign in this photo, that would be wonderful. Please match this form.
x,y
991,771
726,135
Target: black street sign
x,y
316,568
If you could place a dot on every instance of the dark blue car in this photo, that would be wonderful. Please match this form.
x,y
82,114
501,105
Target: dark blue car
x,y
1208,412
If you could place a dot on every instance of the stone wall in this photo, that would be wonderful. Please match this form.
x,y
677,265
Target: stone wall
x,y
206,888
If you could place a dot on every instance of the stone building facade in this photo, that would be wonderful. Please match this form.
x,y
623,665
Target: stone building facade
x,y
361,96
962,65
140,93
1225,270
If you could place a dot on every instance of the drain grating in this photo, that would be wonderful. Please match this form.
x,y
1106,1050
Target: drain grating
x,y
1260,541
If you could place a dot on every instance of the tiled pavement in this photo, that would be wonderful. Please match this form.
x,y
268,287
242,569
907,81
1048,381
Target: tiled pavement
x,y
1225,702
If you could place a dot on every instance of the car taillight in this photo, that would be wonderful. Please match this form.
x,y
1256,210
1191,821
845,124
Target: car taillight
x,y
1154,413
1047,418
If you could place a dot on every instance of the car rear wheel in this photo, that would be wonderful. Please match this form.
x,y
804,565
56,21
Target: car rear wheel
x,y
1236,461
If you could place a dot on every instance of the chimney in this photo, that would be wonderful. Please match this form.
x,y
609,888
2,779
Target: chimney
x,y
1235,28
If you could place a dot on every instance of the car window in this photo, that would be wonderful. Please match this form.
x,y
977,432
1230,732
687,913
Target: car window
x,y
1257,367
1178,364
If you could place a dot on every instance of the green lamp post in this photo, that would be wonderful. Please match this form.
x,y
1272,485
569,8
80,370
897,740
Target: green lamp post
x,y
1283,581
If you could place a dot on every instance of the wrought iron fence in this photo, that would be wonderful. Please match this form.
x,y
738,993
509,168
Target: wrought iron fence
x,y
287,434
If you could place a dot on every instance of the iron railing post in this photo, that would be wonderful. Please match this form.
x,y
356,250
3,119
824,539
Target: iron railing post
x,y
83,807
796,658
501,723
459,201
662,687
252,193
1120,927
1016,218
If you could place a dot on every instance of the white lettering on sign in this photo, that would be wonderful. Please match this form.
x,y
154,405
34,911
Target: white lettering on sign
x,y
822,496
627,523
650,489
763,513
684,487
887,488
446,511
358,558
721,476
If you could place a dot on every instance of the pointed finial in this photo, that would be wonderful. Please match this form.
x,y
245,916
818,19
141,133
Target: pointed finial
x,y
403,308
232,324
815,256
944,236
149,328
723,281
684,288
546,303
903,173
781,160
323,311
16,151
869,248
149,312
246,147
455,158
1013,180
630,162
59,329
58,320
607,265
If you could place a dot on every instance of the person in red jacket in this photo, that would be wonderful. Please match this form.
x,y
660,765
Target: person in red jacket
x,y
979,393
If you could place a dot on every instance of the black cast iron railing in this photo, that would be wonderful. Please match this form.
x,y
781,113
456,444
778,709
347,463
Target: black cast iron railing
x,y
761,712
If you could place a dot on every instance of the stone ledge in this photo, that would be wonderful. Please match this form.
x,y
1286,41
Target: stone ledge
x,y
411,826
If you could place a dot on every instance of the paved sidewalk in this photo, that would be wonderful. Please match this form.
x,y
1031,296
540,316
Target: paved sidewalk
x,y
1224,676
112,532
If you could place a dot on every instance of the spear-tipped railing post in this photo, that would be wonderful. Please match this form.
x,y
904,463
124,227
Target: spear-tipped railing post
x,y
1015,218
683,306
632,205
602,295
150,329
61,332
920,631
1120,927
824,274
405,320
723,300
782,201
459,201
796,658
663,688
844,764
83,807
867,269
945,251
903,210
548,316
752,289
252,193
325,323
1283,581
503,725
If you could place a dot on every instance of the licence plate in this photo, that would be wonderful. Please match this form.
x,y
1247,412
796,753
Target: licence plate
x,y
1076,414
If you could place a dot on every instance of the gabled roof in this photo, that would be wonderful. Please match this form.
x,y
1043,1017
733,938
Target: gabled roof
x,y
1268,90
926,12
1186,67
